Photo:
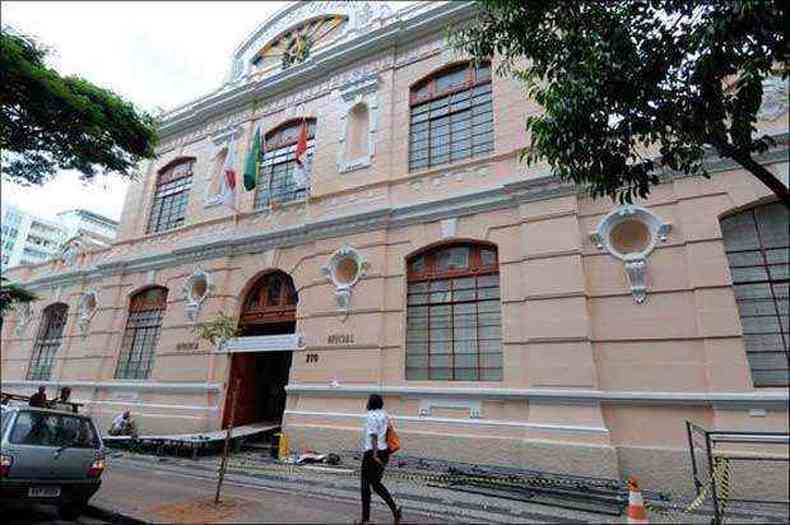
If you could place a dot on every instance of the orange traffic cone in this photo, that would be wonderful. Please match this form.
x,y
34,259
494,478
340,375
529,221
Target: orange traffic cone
x,y
636,512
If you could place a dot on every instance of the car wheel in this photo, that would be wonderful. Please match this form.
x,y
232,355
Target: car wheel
x,y
71,511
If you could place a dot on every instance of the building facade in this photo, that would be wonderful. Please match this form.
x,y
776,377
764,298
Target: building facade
x,y
504,317
91,224
30,239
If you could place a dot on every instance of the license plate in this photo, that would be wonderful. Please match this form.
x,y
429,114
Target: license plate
x,y
43,492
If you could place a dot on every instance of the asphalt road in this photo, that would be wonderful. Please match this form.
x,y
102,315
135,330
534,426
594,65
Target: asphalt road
x,y
35,514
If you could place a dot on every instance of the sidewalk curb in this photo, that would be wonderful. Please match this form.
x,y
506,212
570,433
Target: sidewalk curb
x,y
111,516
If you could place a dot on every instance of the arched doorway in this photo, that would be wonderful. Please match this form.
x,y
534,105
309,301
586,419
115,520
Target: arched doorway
x,y
268,311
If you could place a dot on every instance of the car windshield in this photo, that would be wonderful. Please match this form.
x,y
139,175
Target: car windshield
x,y
53,430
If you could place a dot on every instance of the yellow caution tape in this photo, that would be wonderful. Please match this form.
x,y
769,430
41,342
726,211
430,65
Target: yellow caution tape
x,y
720,475
407,475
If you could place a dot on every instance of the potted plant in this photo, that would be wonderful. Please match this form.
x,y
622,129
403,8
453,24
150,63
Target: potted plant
x,y
217,330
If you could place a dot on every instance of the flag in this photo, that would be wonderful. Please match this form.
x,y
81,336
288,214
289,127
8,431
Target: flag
x,y
227,192
301,171
251,165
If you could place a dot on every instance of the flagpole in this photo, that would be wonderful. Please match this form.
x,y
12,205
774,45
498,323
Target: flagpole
x,y
236,192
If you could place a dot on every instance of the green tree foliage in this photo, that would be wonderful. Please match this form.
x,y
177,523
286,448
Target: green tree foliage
x,y
217,330
50,122
630,87
11,294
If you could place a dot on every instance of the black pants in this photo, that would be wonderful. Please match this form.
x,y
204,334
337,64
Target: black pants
x,y
371,478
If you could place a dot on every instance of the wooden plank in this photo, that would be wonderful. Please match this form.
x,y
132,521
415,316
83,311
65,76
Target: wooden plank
x,y
203,437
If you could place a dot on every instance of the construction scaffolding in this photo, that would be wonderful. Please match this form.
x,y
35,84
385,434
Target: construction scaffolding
x,y
190,444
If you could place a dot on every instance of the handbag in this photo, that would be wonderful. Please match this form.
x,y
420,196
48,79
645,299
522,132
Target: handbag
x,y
392,438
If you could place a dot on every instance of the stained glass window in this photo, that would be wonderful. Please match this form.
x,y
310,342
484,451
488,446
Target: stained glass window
x,y
295,46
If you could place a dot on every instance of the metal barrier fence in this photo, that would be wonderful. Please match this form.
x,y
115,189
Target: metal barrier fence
x,y
757,460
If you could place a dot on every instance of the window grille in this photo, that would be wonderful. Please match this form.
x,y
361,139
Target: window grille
x,y
276,183
146,310
454,319
171,197
452,116
48,341
757,246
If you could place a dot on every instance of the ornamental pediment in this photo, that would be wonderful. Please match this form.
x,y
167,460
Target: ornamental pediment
x,y
298,32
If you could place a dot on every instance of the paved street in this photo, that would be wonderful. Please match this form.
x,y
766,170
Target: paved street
x,y
35,514
145,492
180,490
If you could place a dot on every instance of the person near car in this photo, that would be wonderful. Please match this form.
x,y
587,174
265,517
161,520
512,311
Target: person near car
x,y
39,399
62,402
375,458
123,425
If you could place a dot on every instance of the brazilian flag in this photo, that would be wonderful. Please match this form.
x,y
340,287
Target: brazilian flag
x,y
251,164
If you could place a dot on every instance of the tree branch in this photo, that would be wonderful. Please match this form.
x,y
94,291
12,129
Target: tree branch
x,y
755,168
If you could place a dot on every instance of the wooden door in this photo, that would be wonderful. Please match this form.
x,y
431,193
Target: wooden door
x,y
243,367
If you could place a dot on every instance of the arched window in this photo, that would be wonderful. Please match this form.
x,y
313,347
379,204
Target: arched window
x,y
279,180
171,196
452,116
454,320
294,46
48,340
272,299
146,310
757,245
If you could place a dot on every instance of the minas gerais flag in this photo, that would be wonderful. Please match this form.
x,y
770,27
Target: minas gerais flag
x,y
251,166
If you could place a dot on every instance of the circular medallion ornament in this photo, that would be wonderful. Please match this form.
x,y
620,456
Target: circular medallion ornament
x,y
195,291
630,233
346,267
86,309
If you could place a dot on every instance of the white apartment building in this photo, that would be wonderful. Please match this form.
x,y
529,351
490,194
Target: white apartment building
x,y
97,226
31,239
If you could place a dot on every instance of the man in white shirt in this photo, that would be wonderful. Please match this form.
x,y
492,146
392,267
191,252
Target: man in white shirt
x,y
123,425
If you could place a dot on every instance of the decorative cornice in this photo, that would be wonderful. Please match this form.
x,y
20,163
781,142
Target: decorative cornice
x,y
576,429
505,196
128,386
755,399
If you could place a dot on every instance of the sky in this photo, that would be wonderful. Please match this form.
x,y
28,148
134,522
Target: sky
x,y
155,54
